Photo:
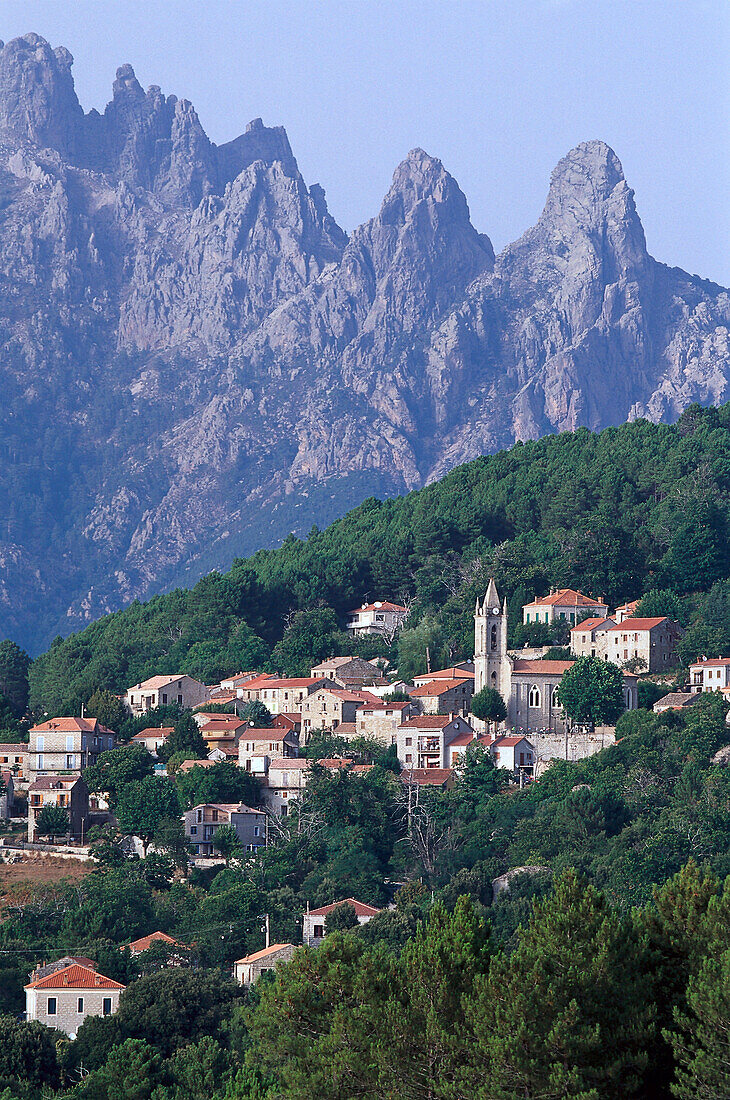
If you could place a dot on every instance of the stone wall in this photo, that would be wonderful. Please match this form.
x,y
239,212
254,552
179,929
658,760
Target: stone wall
x,y
573,746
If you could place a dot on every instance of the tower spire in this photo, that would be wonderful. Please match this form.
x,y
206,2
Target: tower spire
x,y
492,597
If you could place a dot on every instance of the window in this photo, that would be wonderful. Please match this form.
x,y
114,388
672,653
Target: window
x,y
70,743
409,740
180,699
555,699
51,1007
256,830
70,762
193,830
39,742
80,1004
164,697
409,758
39,761
493,642
106,1006
534,697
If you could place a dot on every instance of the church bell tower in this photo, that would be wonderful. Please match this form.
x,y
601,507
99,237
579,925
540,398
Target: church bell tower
x,y
490,644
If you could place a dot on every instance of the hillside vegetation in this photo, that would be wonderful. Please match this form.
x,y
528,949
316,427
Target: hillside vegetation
x,y
641,508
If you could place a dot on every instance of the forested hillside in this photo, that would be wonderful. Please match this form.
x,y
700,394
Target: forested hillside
x,y
638,509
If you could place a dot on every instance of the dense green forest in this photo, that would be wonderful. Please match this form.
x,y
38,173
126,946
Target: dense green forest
x,y
638,509
582,979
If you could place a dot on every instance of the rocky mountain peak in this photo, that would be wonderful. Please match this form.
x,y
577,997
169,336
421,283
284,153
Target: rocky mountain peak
x,y
126,84
37,97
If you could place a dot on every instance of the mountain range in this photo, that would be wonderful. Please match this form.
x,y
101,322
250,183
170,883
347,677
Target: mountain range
x,y
195,359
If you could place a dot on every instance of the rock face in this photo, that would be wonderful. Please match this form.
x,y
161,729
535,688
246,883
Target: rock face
x,y
196,360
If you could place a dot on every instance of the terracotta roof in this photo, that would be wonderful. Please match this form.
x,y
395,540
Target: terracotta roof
x,y
155,682
344,762
220,695
508,739
567,597
335,662
427,777
289,763
590,624
639,624
272,950
360,908
146,942
288,718
380,705
188,765
71,725
379,605
297,681
438,687
345,729
427,722
453,673
54,782
713,661
153,731
223,722
631,606
13,749
75,976
462,738
543,668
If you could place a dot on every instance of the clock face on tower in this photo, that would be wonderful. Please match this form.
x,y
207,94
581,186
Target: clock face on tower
x,y
495,611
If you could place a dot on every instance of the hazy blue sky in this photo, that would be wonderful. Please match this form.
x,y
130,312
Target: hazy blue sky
x,y
498,89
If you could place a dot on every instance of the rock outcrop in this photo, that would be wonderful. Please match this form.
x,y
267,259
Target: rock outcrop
x,y
197,360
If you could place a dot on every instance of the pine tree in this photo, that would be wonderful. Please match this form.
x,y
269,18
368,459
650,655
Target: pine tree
x,y
568,1013
701,1041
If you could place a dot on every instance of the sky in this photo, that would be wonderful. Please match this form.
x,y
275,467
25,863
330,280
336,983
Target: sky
x,y
499,90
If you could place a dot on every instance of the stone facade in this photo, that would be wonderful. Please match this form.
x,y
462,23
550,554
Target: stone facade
x,y
160,691
380,721
566,604
350,672
650,641
327,707
202,822
67,791
67,996
15,758
249,969
66,745
444,696
529,688
313,929
423,741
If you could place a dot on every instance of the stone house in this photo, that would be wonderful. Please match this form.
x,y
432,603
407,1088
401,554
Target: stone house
x,y
65,997
67,791
380,720
7,794
444,696
565,603
512,752
222,731
285,781
202,821
350,672
327,707
423,741
288,720
160,691
710,674
66,745
625,611
14,757
675,700
249,690
259,744
152,738
380,617
314,920
588,639
652,641
233,683
250,968
289,695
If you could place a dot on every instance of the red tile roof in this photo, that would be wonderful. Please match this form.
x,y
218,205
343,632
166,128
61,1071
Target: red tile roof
x,y
462,738
54,782
711,661
297,681
360,908
188,765
590,624
145,942
426,777
71,725
438,687
262,954
267,733
639,624
379,605
543,668
289,763
567,597
75,977
288,719
453,673
153,731
427,722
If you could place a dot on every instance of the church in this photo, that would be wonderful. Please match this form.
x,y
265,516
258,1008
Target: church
x,y
529,688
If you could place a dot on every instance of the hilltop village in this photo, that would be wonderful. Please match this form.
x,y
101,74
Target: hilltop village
x,y
520,710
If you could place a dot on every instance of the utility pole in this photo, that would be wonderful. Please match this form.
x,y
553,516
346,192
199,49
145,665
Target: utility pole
x,y
428,659
268,932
